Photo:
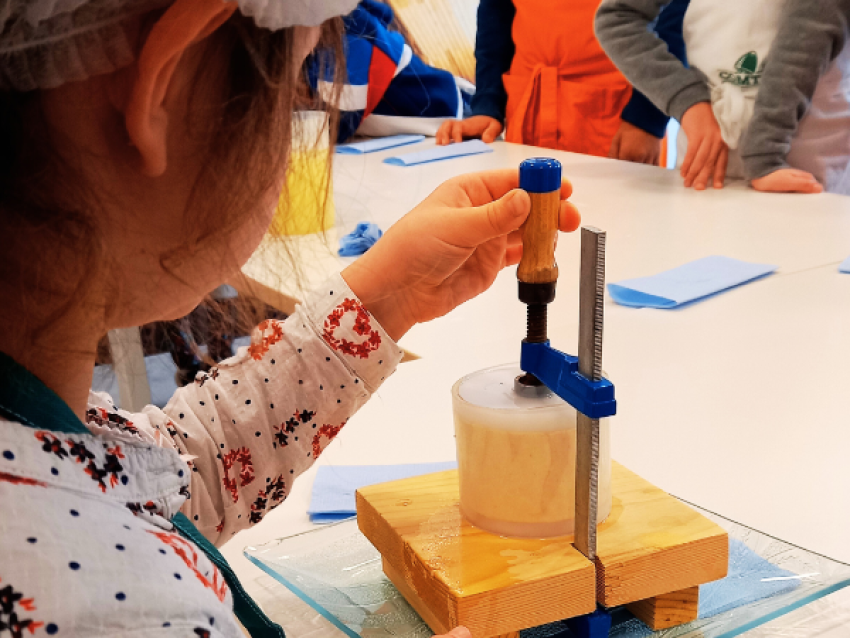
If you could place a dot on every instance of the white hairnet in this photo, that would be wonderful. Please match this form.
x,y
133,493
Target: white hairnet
x,y
45,43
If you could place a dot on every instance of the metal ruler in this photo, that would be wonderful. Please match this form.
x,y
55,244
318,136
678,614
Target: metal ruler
x,y
591,297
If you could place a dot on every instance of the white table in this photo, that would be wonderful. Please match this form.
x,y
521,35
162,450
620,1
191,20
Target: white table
x,y
740,404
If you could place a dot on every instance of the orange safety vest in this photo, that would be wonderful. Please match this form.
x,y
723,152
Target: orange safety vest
x,y
563,91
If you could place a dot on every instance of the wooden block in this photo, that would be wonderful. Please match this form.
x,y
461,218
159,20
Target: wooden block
x,y
455,574
668,610
653,544
420,607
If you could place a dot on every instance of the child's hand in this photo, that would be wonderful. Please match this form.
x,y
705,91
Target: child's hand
x,y
483,126
633,144
447,250
457,632
707,152
787,180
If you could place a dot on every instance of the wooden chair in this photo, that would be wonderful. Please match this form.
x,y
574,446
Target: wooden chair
x,y
441,32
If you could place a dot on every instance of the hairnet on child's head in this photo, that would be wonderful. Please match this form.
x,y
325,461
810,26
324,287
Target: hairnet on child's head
x,y
45,43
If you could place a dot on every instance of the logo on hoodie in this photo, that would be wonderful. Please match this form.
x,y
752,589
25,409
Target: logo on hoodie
x,y
747,71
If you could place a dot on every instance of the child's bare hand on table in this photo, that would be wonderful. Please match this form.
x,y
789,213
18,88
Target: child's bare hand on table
x,y
477,126
787,180
705,161
447,250
633,144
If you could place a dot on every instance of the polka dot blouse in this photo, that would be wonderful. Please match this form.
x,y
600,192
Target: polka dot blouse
x,y
86,543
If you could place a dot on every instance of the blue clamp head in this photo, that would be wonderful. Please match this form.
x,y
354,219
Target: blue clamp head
x,y
559,372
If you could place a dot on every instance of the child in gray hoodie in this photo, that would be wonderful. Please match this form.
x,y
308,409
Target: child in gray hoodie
x,y
767,93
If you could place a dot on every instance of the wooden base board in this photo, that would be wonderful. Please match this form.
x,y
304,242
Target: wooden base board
x,y
653,544
456,574
466,576
420,607
668,610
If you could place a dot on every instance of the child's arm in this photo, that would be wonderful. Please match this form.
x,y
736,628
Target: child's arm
x,y
681,92
494,52
622,27
644,124
260,419
810,36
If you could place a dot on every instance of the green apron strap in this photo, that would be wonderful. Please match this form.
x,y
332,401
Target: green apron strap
x,y
25,399
246,610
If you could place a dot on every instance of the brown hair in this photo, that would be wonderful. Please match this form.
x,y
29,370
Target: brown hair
x,y
48,215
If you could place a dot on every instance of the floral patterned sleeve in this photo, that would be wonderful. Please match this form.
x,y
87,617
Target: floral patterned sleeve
x,y
261,418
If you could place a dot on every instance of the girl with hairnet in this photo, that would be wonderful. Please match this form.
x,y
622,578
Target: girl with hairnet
x,y
143,144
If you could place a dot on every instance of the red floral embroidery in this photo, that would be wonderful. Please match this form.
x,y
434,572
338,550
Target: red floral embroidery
x,y
105,418
260,347
362,326
78,450
19,480
246,472
329,431
282,431
220,527
268,498
10,619
202,377
186,551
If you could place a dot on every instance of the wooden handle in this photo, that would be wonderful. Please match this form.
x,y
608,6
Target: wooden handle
x,y
538,240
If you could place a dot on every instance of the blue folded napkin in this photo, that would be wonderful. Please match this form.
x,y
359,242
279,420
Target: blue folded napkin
x,y
472,147
845,266
334,487
750,578
692,281
361,239
378,144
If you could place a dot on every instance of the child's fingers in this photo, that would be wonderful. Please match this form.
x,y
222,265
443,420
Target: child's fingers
x,y
443,133
720,167
690,158
698,163
568,217
788,180
701,180
513,255
490,133
614,151
457,131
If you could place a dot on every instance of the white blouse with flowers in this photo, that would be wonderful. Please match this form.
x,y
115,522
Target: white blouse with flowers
x,y
86,543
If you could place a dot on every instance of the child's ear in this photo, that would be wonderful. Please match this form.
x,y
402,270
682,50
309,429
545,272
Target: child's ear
x,y
146,112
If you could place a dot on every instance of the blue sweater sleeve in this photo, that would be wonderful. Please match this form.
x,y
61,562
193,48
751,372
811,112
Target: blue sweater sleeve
x,y
640,111
494,52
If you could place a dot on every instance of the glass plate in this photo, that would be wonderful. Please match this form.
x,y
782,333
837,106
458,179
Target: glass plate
x,y
337,571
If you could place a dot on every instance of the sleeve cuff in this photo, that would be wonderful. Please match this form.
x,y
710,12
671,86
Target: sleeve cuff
x,y
489,106
686,98
645,115
352,333
756,166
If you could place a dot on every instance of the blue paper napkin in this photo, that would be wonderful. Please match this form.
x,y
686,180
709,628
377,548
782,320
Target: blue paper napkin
x,y
845,266
750,578
361,239
334,487
378,144
692,281
472,147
